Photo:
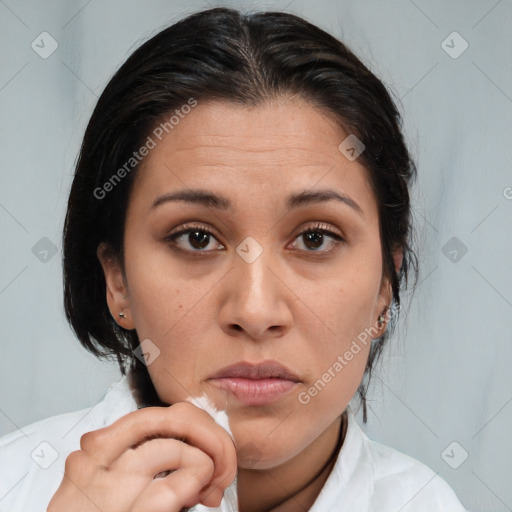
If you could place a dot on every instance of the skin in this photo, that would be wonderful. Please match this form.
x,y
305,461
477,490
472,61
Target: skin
x,y
115,467
296,304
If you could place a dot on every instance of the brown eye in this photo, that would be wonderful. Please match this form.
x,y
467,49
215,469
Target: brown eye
x,y
198,239
313,239
193,239
319,239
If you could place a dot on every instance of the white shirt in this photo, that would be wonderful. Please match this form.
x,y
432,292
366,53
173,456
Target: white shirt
x,y
367,476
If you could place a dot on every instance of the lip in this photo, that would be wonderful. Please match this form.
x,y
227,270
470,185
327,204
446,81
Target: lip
x,y
256,383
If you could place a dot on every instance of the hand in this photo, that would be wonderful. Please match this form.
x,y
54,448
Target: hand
x,y
115,469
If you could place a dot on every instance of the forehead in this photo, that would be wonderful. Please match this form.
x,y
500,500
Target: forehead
x,y
280,145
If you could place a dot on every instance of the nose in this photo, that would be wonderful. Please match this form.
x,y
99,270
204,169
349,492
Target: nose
x,y
256,301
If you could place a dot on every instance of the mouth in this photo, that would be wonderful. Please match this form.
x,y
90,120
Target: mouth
x,y
255,384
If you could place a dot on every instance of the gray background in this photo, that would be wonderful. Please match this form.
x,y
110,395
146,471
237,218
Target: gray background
x,y
445,376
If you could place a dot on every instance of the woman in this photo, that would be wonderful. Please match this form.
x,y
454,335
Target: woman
x,y
237,236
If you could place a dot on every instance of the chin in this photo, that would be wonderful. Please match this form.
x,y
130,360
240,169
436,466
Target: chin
x,y
257,449
252,458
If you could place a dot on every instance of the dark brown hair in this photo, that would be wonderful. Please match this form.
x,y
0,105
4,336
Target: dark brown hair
x,y
222,54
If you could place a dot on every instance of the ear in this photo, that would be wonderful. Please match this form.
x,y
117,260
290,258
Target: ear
x,y
386,291
116,290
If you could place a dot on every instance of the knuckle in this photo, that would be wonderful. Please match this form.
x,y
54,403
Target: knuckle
x,y
181,407
76,460
86,440
89,440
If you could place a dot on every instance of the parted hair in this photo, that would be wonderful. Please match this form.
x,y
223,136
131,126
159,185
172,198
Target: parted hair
x,y
225,55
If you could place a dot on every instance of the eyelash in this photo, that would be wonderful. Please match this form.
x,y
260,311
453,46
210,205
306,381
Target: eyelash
x,y
317,228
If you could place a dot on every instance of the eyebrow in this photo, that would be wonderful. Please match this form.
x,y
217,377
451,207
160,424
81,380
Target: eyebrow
x,y
211,200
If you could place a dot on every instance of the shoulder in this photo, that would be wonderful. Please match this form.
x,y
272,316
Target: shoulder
x,y
401,482
371,477
32,458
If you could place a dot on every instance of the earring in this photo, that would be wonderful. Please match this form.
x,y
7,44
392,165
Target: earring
x,y
382,318
122,315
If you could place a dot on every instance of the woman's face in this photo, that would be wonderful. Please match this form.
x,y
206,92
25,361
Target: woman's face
x,y
257,289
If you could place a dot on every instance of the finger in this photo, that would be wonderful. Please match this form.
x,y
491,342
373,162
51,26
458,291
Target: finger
x,y
172,493
182,420
159,455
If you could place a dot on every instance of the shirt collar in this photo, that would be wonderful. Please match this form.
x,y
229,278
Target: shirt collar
x,y
350,483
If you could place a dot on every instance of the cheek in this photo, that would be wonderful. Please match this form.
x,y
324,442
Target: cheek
x,y
156,305
339,341
173,310
346,302
174,317
162,293
337,363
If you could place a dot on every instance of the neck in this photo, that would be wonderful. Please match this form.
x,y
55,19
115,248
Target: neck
x,y
289,487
